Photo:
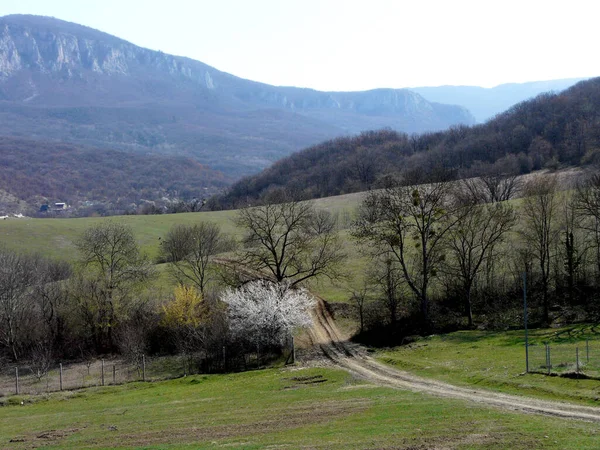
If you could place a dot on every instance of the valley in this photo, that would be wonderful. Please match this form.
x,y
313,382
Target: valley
x,y
195,259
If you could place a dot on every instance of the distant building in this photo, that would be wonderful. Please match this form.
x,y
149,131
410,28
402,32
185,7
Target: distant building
x,y
60,206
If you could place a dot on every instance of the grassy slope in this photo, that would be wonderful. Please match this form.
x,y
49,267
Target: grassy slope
x,y
55,237
319,408
496,360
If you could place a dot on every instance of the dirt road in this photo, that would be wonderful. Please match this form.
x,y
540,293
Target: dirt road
x,y
325,336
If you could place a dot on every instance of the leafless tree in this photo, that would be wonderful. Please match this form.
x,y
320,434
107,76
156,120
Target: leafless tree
x,y
586,204
386,279
491,188
41,359
112,270
472,241
191,248
573,250
410,224
540,229
290,241
359,298
51,301
17,277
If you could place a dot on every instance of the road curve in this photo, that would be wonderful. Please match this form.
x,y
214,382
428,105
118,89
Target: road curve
x,y
325,335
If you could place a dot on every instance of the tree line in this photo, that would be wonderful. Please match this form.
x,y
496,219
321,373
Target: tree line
x,y
450,255
441,256
108,301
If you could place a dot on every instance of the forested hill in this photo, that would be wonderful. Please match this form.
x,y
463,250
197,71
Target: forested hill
x,y
92,180
549,131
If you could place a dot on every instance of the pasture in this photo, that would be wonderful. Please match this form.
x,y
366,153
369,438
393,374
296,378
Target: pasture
x,y
293,407
496,361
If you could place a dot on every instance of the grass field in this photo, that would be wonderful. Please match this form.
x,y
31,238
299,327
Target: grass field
x,y
308,408
496,360
55,237
313,408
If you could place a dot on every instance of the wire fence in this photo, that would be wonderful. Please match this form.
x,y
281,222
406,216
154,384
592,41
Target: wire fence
x,y
35,379
566,359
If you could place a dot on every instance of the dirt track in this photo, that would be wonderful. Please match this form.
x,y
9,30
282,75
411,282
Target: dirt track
x,y
325,336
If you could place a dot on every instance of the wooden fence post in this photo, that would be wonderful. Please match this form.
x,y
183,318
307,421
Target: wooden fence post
x,y
61,377
17,380
102,372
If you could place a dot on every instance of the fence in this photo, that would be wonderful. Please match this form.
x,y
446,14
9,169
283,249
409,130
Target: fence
x,y
582,358
33,380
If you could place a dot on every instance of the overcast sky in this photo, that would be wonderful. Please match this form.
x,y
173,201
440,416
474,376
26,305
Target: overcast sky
x,y
354,45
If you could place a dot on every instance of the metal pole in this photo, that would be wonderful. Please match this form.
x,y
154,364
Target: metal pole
x,y
525,319
547,357
577,357
143,367
224,359
587,350
549,360
17,380
61,377
114,374
102,372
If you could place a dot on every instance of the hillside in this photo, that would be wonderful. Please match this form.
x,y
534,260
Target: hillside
x,y
94,180
485,103
66,82
549,131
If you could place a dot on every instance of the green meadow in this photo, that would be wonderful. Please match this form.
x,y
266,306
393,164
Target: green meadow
x,y
294,408
496,361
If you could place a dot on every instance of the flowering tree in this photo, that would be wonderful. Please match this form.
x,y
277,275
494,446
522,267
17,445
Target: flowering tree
x,y
267,312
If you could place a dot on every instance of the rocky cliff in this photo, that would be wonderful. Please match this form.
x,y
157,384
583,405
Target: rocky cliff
x,y
69,82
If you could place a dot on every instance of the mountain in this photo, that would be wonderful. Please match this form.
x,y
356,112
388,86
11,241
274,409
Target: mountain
x,y
484,103
96,181
67,82
548,131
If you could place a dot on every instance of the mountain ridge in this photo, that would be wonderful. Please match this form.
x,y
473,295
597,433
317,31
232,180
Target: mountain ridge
x,y
484,103
183,106
547,132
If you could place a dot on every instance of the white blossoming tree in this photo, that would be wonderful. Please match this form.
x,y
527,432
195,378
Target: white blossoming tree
x,y
266,312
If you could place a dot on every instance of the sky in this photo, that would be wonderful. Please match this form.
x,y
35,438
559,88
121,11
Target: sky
x,y
354,45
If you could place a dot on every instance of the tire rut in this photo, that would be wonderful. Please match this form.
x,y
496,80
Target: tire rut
x,y
352,358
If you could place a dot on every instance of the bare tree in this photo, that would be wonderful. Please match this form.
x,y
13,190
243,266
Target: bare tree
x,y
472,242
359,298
41,359
290,241
386,277
191,249
112,270
572,251
491,188
587,206
16,308
540,229
410,224
51,301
